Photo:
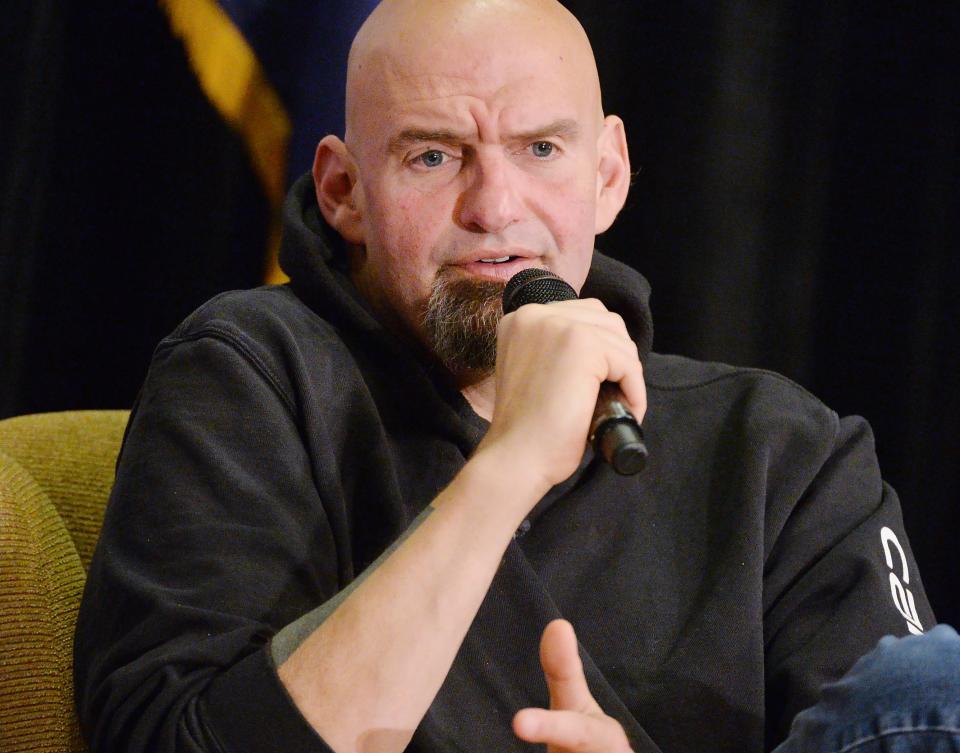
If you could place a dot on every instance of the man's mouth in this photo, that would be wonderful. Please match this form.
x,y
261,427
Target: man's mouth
x,y
498,267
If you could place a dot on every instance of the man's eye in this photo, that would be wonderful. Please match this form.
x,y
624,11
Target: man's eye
x,y
542,149
433,158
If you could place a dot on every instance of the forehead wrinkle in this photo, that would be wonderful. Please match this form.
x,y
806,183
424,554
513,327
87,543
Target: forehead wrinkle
x,y
495,98
400,92
565,128
393,33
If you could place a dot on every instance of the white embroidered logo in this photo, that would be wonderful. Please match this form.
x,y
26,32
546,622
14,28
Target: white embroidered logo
x,y
902,597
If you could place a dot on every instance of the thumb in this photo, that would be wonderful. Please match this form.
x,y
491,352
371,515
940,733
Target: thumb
x,y
563,669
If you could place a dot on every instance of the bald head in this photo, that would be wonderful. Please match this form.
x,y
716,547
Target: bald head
x,y
476,145
436,44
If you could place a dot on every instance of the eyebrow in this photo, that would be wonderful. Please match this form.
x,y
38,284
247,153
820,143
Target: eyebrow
x,y
410,136
566,128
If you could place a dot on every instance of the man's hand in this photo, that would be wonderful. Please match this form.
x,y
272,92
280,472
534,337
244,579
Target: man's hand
x,y
575,722
551,361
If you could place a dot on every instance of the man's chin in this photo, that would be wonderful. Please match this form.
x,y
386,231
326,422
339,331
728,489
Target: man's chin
x,y
460,322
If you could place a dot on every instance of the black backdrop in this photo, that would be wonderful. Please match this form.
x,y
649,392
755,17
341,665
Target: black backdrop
x,y
795,207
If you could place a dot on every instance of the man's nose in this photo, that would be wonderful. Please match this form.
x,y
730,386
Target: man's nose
x,y
490,202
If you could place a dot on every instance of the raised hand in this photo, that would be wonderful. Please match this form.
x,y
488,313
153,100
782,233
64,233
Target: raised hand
x,y
575,723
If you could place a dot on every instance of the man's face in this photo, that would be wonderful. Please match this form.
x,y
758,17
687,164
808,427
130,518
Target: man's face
x,y
477,156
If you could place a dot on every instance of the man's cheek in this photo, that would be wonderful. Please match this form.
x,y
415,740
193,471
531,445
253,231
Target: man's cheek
x,y
407,245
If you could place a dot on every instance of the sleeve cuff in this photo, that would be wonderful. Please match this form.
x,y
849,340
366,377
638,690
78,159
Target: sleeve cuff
x,y
248,708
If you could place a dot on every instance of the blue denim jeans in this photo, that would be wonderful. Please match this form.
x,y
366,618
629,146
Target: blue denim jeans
x,y
902,696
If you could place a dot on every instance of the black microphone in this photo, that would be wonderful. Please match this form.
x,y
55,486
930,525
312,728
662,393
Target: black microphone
x,y
614,432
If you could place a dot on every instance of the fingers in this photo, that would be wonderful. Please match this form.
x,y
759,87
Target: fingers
x,y
587,324
622,364
634,389
550,363
624,368
571,731
574,723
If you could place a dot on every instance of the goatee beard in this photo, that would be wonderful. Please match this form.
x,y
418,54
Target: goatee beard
x,y
460,321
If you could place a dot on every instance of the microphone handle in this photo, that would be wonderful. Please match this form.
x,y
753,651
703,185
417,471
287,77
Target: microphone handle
x,y
615,433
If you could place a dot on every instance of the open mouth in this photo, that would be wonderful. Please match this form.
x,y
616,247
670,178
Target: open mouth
x,y
498,267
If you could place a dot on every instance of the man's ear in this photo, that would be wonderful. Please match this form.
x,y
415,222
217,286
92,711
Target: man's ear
x,y
339,194
613,172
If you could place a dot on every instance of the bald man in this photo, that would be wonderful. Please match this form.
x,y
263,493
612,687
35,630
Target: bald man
x,y
356,513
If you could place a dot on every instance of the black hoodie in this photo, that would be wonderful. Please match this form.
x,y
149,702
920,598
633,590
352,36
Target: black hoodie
x,y
283,439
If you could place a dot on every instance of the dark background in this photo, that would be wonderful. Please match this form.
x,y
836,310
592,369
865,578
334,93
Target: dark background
x,y
795,208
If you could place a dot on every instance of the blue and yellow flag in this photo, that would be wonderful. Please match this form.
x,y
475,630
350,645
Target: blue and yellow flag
x,y
275,70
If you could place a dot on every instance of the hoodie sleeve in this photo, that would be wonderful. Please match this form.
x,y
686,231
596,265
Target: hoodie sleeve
x,y
839,575
215,537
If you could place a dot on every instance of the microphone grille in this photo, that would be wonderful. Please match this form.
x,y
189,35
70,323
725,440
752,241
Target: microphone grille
x,y
535,285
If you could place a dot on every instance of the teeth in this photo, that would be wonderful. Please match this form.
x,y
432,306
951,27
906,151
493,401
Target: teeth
x,y
496,261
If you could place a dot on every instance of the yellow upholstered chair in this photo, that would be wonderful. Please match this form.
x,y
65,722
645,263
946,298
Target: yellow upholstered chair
x,y
56,470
